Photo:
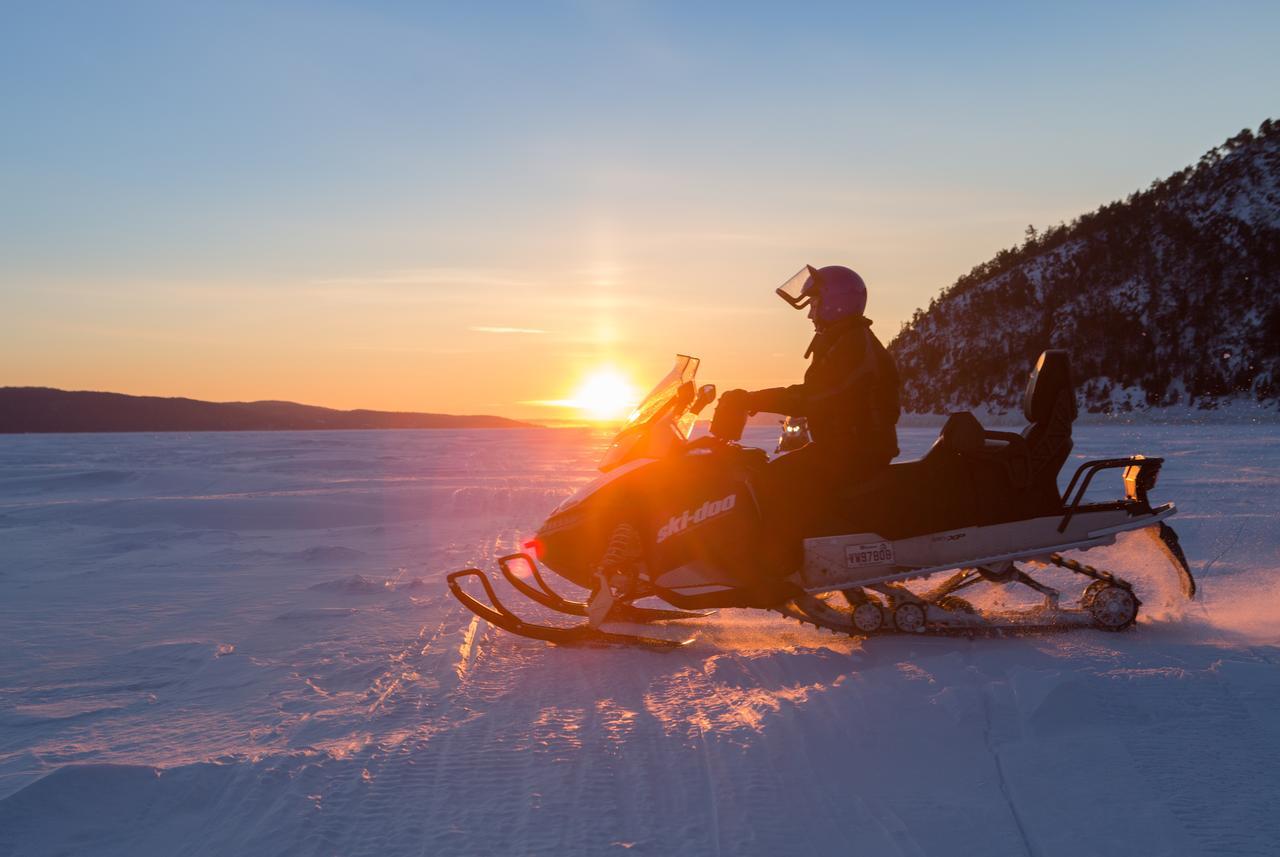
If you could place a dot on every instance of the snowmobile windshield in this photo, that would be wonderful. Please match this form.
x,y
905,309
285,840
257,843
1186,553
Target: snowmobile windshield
x,y
670,397
798,291
683,372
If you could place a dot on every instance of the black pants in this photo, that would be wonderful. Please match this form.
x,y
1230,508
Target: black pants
x,y
800,497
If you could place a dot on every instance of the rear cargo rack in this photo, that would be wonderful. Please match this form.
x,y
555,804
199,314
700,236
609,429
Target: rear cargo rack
x,y
1140,474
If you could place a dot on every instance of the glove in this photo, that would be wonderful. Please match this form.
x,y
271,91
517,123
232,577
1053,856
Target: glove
x,y
731,415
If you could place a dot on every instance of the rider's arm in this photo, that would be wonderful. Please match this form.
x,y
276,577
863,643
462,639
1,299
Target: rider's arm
x,y
778,400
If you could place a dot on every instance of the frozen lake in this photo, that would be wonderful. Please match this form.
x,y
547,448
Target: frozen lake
x,y
242,644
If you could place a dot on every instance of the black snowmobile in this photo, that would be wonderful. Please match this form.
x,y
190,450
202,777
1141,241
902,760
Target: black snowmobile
x,y
794,435
677,519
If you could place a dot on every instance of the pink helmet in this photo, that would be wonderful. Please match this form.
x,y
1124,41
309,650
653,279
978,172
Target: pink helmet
x,y
831,293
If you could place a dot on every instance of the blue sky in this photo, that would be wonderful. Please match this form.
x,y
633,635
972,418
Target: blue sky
x,y
377,204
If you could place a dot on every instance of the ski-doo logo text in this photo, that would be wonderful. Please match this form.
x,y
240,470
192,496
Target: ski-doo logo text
x,y
680,523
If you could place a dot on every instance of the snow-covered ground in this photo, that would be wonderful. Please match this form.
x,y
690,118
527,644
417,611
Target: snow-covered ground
x,y
242,644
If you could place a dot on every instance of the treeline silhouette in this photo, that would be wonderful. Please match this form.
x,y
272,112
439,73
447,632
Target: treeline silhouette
x,y
1169,297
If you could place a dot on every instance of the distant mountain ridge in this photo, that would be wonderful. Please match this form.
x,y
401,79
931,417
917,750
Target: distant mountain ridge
x,y
42,409
1169,298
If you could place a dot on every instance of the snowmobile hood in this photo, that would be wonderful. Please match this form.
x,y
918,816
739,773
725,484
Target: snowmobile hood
x,y
577,497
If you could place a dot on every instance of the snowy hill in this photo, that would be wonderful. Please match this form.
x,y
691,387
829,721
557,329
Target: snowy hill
x,y
1169,298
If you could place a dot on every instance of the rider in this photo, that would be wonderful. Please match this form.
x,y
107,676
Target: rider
x,y
849,396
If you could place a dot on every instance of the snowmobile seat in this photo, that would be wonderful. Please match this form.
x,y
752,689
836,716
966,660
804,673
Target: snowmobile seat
x,y
1016,474
971,475
907,498
995,464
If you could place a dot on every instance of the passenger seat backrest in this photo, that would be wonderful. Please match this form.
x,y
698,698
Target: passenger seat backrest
x,y
1049,380
1050,409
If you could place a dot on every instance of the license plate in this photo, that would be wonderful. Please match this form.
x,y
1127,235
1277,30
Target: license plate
x,y
873,553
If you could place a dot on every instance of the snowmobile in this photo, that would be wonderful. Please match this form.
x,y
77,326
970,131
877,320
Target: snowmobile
x,y
677,519
794,434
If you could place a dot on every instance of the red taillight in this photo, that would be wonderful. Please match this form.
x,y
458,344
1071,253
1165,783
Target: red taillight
x,y
532,546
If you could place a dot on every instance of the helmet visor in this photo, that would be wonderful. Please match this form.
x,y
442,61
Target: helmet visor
x,y
800,290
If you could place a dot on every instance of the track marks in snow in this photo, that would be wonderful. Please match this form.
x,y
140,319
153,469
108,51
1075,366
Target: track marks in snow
x,y
1199,777
699,727
730,693
466,647
986,694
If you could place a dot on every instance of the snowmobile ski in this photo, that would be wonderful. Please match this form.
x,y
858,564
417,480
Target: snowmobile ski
x,y
497,614
549,598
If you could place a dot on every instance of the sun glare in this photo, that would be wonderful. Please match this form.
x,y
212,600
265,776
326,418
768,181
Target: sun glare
x,y
605,395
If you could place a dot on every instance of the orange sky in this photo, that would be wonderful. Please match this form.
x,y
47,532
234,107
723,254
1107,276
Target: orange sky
x,y
489,340
470,209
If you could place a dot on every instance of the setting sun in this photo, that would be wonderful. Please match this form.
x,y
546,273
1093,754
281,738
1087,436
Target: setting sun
x,y
605,395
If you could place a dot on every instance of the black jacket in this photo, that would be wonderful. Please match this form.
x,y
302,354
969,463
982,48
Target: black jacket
x,y
849,394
